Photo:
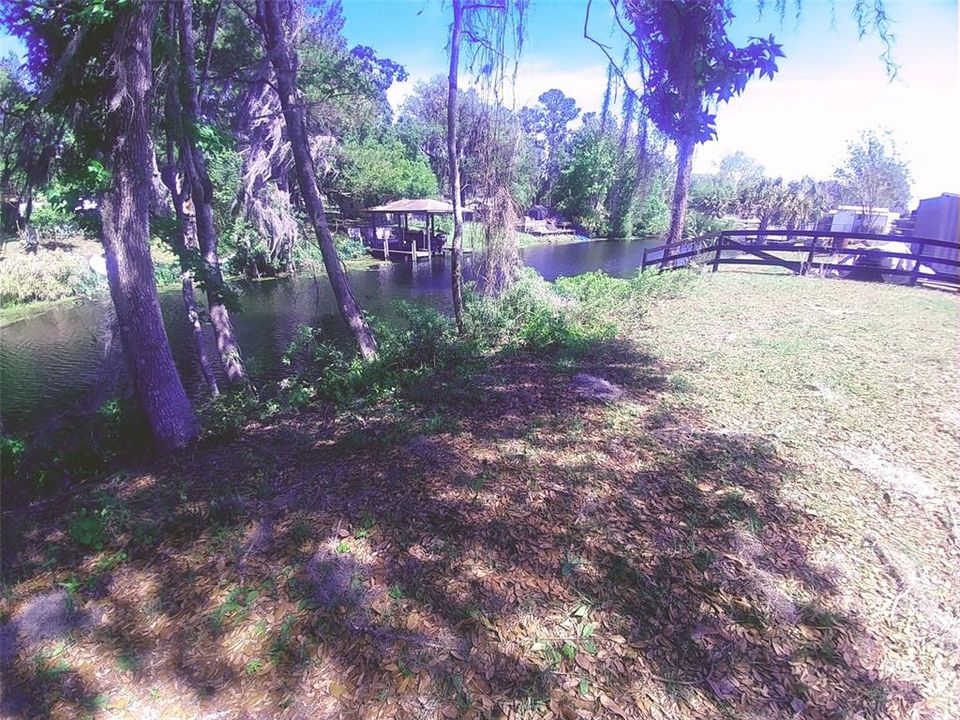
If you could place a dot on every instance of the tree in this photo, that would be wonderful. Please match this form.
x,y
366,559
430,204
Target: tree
x,y
343,98
30,138
277,20
92,64
874,176
183,236
125,212
689,64
585,181
738,170
453,155
547,124
765,200
184,115
375,169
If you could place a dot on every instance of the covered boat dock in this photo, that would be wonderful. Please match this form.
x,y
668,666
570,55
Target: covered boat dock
x,y
390,234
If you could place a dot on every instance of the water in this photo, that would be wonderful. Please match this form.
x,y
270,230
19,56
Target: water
x,y
61,362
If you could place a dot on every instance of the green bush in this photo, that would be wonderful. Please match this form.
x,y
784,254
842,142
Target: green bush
x,y
566,317
225,415
697,223
46,275
349,248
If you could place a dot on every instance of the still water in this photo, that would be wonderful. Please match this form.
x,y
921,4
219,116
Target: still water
x,y
61,362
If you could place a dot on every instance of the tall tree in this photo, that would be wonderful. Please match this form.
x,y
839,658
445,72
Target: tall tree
x,y
546,122
739,171
92,64
125,213
453,155
873,175
183,238
201,193
277,20
689,64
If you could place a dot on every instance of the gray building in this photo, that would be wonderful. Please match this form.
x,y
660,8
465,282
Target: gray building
x,y
937,218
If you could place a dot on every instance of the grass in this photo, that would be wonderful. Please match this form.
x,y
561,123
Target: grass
x,y
760,526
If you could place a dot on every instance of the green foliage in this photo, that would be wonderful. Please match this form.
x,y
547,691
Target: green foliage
x,y
653,213
584,182
11,453
46,275
712,195
226,414
374,170
873,175
532,315
88,529
690,64
697,223
349,248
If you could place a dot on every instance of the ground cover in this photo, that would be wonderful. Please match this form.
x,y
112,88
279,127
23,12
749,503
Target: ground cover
x,y
737,498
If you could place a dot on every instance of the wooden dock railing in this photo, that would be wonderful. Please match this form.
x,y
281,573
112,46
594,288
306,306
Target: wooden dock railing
x,y
753,247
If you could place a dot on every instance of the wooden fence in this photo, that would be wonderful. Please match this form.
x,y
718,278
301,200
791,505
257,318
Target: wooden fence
x,y
809,250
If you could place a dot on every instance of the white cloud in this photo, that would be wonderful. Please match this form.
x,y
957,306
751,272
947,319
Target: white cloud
x,y
584,84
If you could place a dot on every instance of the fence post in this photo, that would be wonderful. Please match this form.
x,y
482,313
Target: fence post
x,y
716,257
813,249
916,267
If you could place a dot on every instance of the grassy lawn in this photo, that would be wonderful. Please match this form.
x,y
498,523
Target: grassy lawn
x,y
759,522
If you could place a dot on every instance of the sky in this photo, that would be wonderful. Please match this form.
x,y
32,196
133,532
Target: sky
x,y
831,85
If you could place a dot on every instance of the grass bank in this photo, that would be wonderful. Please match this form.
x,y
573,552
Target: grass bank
x,y
711,496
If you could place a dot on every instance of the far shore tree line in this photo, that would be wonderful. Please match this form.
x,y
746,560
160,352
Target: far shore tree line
x,y
227,133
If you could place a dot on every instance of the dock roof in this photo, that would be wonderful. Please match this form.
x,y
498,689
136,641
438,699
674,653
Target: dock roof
x,y
423,206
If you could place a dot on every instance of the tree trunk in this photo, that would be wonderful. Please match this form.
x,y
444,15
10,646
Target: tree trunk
x,y
270,14
186,239
186,242
124,209
456,247
678,210
201,190
762,227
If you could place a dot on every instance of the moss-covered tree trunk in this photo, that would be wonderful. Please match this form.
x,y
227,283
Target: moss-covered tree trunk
x,y
201,191
125,213
681,190
453,153
273,17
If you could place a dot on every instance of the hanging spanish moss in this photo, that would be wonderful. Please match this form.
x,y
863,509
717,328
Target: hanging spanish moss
x,y
263,201
496,39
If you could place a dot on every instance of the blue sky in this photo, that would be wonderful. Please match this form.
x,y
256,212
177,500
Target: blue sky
x,y
831,85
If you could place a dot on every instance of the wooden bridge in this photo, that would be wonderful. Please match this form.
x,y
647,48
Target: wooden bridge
x,y
844,254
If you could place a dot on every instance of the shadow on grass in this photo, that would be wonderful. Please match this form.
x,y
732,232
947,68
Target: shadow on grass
x,y
502,545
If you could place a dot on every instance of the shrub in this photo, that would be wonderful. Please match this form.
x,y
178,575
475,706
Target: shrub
x,y
46,275
697,223
348,248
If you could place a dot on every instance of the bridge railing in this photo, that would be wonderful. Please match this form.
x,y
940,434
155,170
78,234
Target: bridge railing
x,y
807,249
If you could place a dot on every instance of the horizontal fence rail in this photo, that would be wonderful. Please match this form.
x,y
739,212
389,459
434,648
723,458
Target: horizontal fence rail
x,y
756,247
